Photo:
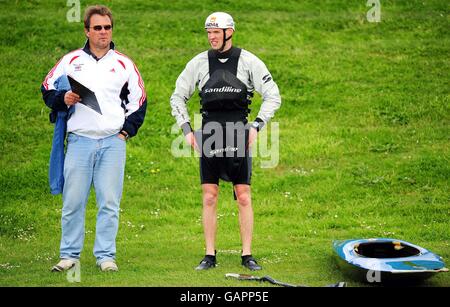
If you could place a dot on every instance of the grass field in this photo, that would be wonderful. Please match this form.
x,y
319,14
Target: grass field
x,y
364,140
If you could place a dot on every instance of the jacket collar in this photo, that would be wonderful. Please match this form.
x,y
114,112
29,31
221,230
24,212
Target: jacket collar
x,y
225,54
88,50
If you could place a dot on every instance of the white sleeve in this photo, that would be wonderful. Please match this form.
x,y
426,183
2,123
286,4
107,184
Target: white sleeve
x,y
184,88
57,71
137,94
267,88
137,101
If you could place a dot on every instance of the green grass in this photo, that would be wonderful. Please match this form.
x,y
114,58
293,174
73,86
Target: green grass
x,y
364,136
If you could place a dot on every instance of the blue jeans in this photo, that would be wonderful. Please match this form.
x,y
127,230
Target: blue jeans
x,y
100,163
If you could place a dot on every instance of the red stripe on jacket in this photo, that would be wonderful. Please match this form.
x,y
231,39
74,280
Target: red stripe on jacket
x,y
140,81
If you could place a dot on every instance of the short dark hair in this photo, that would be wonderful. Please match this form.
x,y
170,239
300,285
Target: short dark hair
x,y
99,10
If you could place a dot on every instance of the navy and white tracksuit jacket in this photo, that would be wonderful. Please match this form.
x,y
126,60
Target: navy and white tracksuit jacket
x,y
119,89
117,84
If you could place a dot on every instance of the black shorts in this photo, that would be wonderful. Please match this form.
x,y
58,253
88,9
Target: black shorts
x,y
230,160
235,170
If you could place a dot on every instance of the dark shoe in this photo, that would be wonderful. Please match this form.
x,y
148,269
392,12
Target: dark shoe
x,y
250,263
207,263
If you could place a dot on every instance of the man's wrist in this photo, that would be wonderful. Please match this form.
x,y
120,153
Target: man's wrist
x,y
125,134
257,124
186,127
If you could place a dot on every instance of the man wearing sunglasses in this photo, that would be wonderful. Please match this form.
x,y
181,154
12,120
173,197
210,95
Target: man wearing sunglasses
x,y
226,77
96,142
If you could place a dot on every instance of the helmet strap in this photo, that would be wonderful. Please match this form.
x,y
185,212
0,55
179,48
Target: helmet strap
x,y
224,40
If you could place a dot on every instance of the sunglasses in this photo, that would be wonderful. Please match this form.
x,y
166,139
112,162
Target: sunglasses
x,y
99,28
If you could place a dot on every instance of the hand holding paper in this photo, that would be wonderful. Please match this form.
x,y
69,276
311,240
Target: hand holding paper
x,y
70,98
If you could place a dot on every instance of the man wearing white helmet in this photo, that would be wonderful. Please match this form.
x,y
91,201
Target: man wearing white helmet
x,y
226,77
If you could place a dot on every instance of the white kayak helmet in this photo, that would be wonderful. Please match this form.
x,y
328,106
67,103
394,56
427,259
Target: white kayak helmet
x,y
219,20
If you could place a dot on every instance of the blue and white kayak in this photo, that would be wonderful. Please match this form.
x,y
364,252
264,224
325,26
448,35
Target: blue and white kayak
x,y
384,260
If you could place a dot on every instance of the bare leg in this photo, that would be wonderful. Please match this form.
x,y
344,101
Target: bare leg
x,y
243,195
210,194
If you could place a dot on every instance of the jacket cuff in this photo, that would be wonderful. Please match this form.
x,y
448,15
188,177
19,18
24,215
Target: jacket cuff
x,y
260,122
186,127
129,128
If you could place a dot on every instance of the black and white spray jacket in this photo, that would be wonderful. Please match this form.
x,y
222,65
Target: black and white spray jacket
x,y
250,70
